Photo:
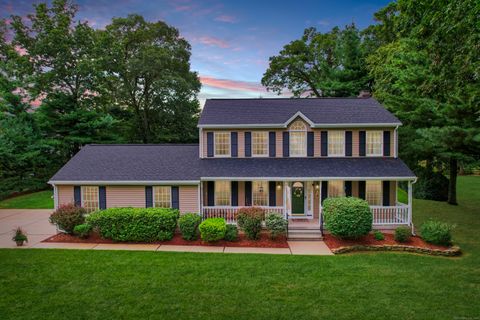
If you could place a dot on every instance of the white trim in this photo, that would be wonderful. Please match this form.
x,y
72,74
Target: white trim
x,y
307,178
314,125
125,183
200,192
395,142
229,155
55,197
366,143
200,142
299,114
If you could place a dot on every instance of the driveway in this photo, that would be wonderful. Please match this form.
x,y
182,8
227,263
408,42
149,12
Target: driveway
x,y
33,221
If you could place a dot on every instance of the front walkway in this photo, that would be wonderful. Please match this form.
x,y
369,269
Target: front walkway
x,y
36,225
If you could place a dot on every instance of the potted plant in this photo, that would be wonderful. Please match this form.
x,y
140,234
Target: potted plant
x,y
19,236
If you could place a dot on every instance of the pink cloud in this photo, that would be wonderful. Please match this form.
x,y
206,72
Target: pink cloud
x,y
226,18
213,41
231,84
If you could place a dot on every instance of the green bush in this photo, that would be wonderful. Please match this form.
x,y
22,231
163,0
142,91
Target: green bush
x,y
276,225
231,234
437,232
67,216
402,234
213,229
82,230
188,224
378,235
135,224
430,185
347,218
250,221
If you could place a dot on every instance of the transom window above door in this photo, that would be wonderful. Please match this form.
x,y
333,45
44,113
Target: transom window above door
x,y
298,139
222,144
260,143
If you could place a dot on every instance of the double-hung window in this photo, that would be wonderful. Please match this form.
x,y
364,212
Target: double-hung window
x,y
223,193
336,189
298,139
162,197
260,193
374,143
90,198
260,143
336,143
222,144
373,192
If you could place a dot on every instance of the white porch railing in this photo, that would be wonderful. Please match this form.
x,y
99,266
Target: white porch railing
x,y
390,215
230,213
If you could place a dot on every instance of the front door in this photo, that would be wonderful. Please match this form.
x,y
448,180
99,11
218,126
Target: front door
x,y
298,204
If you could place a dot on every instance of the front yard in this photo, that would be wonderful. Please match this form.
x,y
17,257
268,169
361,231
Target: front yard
x,y
104,284
36,200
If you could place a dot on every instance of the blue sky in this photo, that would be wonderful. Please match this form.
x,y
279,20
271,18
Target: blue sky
x,y
231,40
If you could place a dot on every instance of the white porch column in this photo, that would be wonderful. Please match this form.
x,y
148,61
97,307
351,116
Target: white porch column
x,y
55,197
285,213
409,202
319,203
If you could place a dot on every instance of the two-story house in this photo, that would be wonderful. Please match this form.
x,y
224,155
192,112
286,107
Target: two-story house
x,y
285,155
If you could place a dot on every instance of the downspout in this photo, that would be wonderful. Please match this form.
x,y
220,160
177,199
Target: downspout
x,y
396,141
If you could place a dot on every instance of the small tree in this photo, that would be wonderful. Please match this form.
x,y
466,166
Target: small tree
x,y
348,218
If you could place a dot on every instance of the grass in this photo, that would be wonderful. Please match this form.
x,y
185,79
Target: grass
x,y
36,200
53,284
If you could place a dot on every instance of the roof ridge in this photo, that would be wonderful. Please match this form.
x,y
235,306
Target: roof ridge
x,y
294,98
142,144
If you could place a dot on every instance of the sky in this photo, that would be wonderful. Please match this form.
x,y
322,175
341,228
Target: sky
x,y
231,40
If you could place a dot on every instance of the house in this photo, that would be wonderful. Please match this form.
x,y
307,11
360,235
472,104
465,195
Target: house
x,y
285,155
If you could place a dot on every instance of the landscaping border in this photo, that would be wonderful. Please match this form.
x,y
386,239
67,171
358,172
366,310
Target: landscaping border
x,y
450,252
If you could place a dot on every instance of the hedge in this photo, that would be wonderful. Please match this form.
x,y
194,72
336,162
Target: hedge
x,y
213,229
347,218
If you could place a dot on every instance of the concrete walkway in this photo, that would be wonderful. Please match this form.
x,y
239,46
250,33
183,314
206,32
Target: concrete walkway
x,y
35,223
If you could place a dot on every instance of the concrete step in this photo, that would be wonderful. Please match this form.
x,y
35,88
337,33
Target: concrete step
x,y
312,231
304,237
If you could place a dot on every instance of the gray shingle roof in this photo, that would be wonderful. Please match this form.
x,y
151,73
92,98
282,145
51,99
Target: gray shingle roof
x,y
181,163
275,111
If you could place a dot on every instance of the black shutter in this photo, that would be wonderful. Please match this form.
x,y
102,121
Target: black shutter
x,y
361,189
175,198
348,188
234,144
286,144
248,193
210,193
272,194
324,190
386,143
234,199
248,144
148,196
310,144
386,193
348,143
102,198
272,144
324,143
362,143
77,196
209,144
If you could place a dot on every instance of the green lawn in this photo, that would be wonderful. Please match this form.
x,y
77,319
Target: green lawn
x,y
36,200
56,284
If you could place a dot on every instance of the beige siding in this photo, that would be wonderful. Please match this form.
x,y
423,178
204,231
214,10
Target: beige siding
x,y
355,143
188,197
316,202
279,195
241,144
317,146
355,189
125,196
279,144
241,193
65,195
204,143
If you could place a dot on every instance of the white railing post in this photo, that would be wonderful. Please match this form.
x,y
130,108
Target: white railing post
x,y
409,202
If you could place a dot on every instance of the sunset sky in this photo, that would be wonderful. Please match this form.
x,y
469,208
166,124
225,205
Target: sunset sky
x,y
231,40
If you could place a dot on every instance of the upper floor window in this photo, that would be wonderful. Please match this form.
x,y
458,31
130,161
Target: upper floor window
x,y
260,143
222,144
162,197
336,143
373,192
260,193
223,193
336,189
374,143
90,198
298,139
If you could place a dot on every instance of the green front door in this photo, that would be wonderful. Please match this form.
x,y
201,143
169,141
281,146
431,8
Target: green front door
x,y
297,198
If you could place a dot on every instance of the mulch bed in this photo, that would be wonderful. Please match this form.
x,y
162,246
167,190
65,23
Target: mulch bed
x,y
263,242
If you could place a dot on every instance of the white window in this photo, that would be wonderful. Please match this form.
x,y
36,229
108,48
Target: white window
x,y
90,198
223,193
298,139
336,143
336,189
374,143
260,193
373,192
260,143
222,144
162,197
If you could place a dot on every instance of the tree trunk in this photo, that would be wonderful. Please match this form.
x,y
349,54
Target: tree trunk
x,y
452,184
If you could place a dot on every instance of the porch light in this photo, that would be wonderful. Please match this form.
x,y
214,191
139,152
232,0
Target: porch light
x,y
279,185
260,189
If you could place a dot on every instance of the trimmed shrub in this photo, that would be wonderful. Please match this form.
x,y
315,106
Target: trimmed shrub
x,y
188,224
67,216
378,235
276,225
347,218
213,229
135,224
250,221
437,232
402,234
82,230
231,234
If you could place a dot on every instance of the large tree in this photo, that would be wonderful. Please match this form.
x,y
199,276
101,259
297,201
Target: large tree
x,y
148,74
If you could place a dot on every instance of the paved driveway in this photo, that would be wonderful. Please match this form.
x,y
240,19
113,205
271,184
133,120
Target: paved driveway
x,y
33,221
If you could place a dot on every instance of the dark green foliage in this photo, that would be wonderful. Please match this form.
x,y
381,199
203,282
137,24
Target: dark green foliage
x,y
276,225
437,232
378,235
135,224
82,230
231,234
19,235
250,221
431,186
402,234
67,216
347,218
213,229
188,224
